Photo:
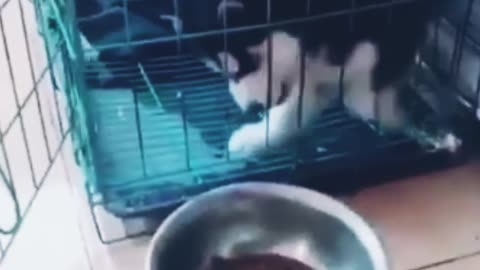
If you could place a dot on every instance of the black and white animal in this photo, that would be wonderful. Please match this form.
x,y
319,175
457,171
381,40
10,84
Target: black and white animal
x,y
376,48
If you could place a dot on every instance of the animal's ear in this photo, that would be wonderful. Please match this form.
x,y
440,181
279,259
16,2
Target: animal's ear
x,y
227,63
228,8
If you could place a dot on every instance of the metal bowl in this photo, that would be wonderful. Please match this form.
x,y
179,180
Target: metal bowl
x,y
256,218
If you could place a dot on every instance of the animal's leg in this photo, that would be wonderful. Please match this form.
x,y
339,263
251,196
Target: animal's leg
x,y
251,139
404,109
283,124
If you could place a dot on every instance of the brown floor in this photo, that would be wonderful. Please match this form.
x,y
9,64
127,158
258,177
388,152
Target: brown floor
x,y
428,219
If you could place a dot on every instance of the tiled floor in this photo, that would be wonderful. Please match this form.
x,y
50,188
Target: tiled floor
x,y
423,221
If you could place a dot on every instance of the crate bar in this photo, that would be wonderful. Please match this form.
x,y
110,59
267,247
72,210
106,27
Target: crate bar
x,y
181,98
4,4
477,101
390,12
139,133
228,131
180,95
302,76
459,42
351,26
77,97
63,30
436,40
227,73
9,126
178,28
463,35
151,88
269,75
9,175
32,74
17,102
13,195
49,68
126,22
377,125
303,55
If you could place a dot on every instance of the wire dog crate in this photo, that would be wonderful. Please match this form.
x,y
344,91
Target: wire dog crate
x,y
146,133
149,133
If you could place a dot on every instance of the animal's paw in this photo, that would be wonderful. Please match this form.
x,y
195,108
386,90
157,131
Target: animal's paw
x,y
442,141
448,142
247,142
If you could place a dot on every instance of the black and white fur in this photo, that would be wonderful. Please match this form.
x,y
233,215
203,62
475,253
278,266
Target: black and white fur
x,y
376,48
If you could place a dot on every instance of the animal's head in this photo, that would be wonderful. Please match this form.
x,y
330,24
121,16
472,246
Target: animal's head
x,y
255,60
270,66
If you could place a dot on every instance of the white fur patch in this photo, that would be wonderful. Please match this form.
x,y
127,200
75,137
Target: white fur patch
x,y
228,63
450,142
321,81
251,139
359,95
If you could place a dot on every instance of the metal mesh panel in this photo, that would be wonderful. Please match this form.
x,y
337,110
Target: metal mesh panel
x,y
32,127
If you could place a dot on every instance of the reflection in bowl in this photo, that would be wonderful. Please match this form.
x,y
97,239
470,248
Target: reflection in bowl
x,y
265,218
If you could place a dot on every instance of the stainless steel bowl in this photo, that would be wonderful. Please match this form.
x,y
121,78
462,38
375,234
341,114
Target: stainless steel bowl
x,y
266,218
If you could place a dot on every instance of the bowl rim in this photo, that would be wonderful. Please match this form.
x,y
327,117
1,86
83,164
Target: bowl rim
x,y
316,200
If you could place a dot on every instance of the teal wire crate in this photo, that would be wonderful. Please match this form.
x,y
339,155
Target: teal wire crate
x,y
151,133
